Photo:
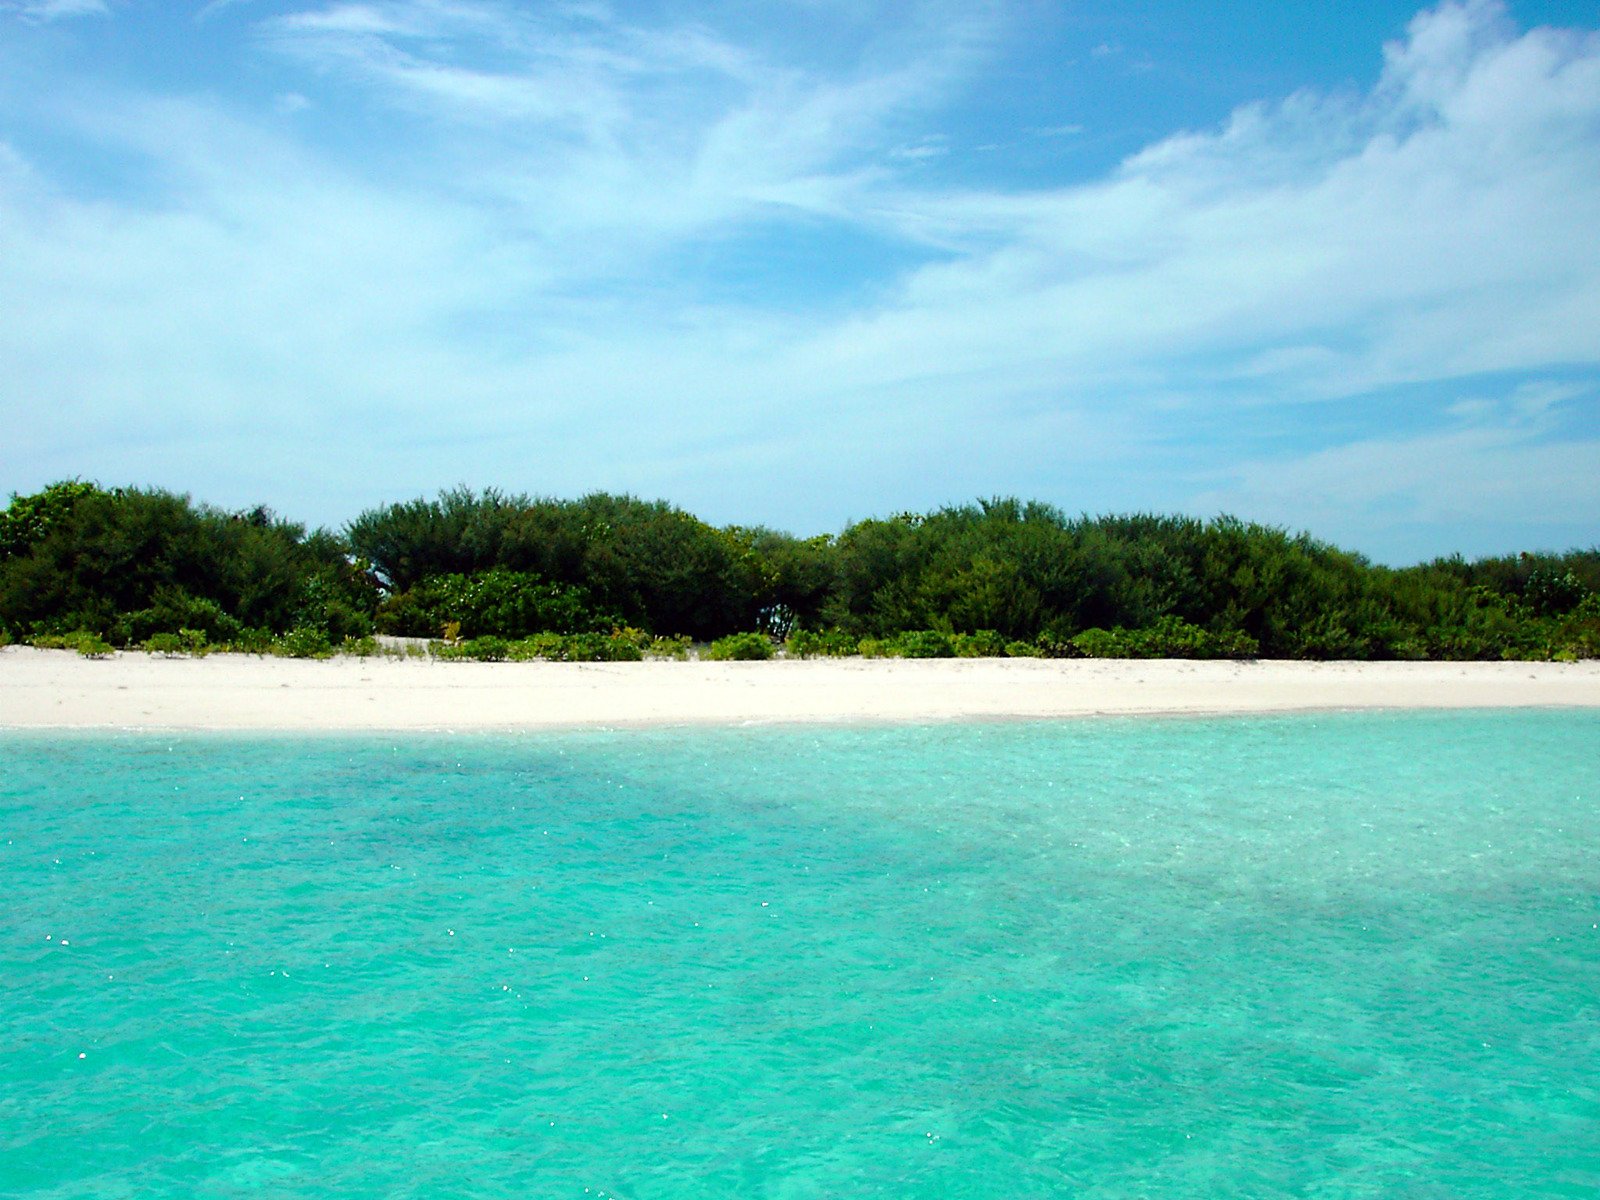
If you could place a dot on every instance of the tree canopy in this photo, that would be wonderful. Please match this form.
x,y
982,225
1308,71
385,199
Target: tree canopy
x,y
129,563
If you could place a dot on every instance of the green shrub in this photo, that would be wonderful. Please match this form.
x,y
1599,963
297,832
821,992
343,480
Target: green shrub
x,y
1170,637
175,611
1577,635
252,641
304,642
740,647
71,640
1023,650
986,643
361,647
1550,591
1326,638
1458,644
166,644
600,647
485,649
28,519
1409,649
669,647
498,603
621,646
91,645
821,643
129,564
1102,643
185,641
550,646
924,643
914,643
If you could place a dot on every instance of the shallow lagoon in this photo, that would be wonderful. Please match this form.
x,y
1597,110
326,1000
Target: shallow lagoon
x,y
1336,956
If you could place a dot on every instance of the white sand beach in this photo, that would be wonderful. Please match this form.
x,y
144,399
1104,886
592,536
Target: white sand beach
x,y
58,689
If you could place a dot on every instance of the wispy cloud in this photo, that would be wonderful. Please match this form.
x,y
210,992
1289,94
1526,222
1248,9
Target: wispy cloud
x,y
593,122
1311,251
674,260
1495,467
55,10
215,7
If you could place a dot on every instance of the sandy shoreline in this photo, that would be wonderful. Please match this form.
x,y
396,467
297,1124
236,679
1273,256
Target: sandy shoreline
x,y
58,689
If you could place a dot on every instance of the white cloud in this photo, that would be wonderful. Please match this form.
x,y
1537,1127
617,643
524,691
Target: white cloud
x,y
496,292
55,10
597,129
1497,466
1439,228
214,7
347,19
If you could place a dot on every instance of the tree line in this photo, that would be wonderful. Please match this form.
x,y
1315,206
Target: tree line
x,y
136,567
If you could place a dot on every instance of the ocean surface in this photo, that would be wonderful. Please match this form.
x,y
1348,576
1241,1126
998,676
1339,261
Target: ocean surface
x,y
1329,956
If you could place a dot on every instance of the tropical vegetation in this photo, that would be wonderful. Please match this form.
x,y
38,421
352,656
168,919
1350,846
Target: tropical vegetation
x,y
497,576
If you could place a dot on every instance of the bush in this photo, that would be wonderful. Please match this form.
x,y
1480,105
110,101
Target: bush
x,y
498,603
1579,633
740,647
1169,637
1326,638
93,646
600,647
925,643
550,646
28,519
185,641
669,647
824,643
165,644
173,610
1023,650
559,647
1103,643
1552,592
986,643
252,641
70,640
128,564
485,649
914,643
304,642
361,647
85,642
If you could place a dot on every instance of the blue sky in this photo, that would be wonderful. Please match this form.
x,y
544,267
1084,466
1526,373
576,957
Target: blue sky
x,y
797,263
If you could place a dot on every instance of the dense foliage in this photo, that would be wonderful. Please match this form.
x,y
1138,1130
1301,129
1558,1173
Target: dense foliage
x,y
644,563
127,564
495,575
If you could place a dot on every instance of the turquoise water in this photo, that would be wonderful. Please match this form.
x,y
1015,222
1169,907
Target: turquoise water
x,y
1312,956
